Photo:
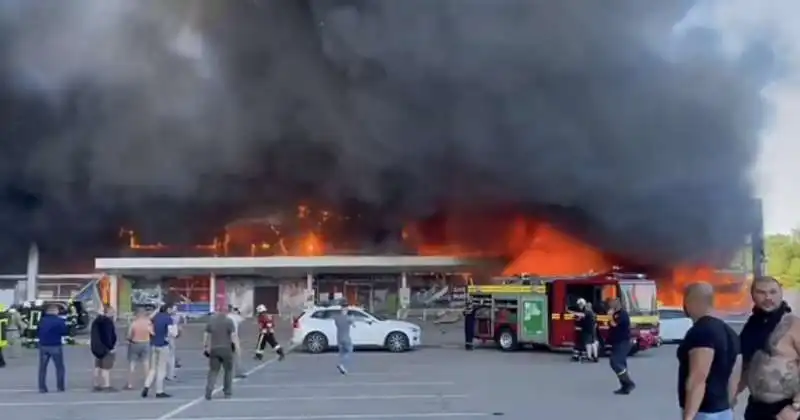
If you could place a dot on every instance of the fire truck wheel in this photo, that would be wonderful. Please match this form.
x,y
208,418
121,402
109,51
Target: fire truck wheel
x,y
316,342
397,342
507,340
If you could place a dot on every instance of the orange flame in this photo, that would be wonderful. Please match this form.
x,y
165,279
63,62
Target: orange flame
x,y
554,253
530,246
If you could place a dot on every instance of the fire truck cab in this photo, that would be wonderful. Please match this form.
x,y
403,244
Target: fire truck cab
x,y
540,312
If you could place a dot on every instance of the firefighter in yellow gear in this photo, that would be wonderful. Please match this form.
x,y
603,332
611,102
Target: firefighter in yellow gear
x,y
3,333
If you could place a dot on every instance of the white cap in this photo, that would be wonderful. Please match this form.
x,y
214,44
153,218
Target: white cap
x,y
261,308
38,302
581,302
26,304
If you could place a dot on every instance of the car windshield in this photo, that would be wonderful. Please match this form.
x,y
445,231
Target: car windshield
x,y
639,298
378,317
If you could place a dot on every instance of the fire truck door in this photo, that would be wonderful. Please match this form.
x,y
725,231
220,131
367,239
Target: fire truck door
x,y
533,320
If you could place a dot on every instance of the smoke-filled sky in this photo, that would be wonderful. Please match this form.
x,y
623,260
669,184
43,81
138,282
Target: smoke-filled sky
x,y
740,22
172,117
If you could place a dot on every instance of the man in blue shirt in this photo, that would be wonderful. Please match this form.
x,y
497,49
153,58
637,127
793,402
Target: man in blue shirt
x,y
619,337
51,333
163,331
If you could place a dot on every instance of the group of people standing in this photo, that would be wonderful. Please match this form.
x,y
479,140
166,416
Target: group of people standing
x,y
19,325
716,365
151,347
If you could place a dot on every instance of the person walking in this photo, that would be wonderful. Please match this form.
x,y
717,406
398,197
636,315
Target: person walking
x,y
709,360
343,323
139,346
172,360
14,331
162,330
266,334
103,344
619,337
236,317
220,343
50,335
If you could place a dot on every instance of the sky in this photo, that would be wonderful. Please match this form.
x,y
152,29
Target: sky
x,y
741,21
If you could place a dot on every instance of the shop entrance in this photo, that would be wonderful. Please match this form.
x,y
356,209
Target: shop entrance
x,y
359,294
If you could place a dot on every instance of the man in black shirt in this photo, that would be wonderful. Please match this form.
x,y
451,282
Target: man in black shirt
x,y
619,337
709,360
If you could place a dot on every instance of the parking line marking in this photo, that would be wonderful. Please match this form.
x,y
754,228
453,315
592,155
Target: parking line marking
x,y
81,403
218,389
348,398
295,385
394,416
238,400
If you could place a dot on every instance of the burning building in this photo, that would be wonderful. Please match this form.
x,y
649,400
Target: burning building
x,y
458,127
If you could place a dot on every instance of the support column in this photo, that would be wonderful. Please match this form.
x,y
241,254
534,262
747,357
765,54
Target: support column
x,y
212,293
113,291
404,297
32,278
309,291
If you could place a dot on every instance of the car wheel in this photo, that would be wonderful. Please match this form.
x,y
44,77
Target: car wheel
x,y
507,340
316,343
397,342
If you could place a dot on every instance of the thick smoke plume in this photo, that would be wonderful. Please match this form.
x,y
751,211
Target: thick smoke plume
x,y
174,117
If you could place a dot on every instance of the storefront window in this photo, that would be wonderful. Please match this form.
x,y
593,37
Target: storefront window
x,y
190,290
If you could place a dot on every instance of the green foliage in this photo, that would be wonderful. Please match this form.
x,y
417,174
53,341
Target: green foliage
x,y
783,257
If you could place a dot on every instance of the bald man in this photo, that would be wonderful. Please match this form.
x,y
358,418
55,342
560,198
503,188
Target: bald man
x,y
709,360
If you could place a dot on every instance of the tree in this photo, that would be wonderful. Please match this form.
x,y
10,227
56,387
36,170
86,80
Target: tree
x,y
783,257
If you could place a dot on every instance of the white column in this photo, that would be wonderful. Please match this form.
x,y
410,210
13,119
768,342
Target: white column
x,y
309,292
32,277
212,293
404,297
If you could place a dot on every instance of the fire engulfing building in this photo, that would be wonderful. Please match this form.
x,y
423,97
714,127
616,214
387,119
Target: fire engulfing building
x,y
466,129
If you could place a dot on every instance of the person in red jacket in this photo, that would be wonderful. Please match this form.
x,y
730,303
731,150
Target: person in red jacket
x,y
266,334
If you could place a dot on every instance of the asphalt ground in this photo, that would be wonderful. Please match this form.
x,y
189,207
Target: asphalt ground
x,y
432,382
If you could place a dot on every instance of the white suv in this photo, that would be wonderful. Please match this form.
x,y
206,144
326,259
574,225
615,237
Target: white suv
x,y
316,332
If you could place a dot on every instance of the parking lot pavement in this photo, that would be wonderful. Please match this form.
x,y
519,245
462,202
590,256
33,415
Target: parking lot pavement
x,y
429,383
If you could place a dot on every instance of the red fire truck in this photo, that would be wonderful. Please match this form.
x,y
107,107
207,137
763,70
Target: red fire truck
x,y
534,311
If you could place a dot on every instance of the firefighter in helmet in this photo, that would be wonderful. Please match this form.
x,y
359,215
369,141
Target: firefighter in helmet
x,y
469,326
4,318
266,334
31,315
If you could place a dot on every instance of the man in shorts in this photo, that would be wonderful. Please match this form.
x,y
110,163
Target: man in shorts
x,y
103,344
139,346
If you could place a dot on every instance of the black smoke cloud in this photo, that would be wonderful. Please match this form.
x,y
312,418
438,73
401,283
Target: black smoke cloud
x,y
173,117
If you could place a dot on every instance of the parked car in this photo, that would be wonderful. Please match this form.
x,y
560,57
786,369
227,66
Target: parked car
x,y
673,324
315,331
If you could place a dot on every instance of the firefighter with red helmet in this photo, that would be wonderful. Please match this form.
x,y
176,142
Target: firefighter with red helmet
x,y
266,334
